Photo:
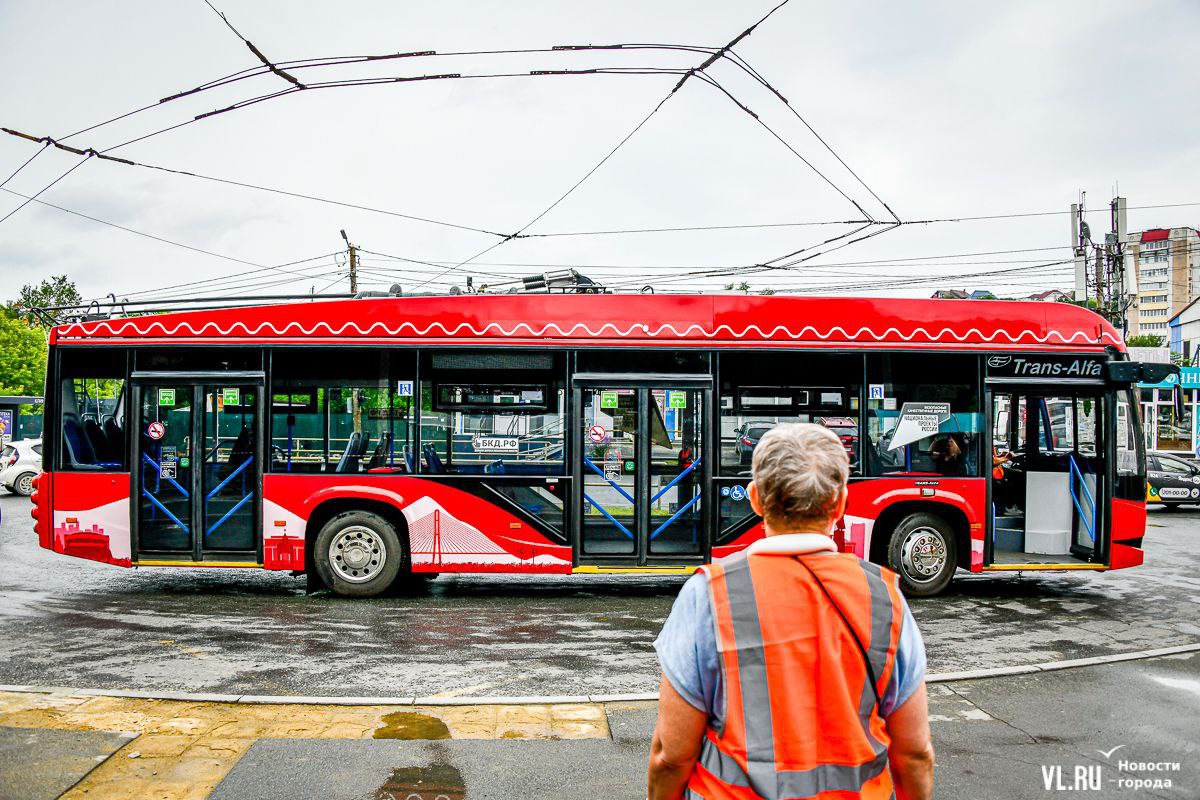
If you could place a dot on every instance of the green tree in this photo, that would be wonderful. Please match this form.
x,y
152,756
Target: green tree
x,y
1145,340
22,355
56,290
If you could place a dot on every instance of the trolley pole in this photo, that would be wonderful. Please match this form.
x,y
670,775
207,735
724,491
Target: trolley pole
x,y
353,264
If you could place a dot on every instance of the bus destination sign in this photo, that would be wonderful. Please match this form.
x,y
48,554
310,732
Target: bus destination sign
x,y
1031,367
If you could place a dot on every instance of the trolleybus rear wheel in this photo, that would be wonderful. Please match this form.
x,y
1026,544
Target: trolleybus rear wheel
x,y
358,554
923,553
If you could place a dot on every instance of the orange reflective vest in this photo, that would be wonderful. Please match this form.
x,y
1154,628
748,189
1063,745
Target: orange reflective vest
x,y
801,718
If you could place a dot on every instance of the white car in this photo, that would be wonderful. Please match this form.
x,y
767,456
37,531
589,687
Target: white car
x,y
20,463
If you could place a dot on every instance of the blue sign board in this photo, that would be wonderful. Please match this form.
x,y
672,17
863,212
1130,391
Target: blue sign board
x,y
1189,378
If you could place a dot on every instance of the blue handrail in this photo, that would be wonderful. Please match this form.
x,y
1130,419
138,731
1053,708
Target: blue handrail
x,y
613,484
677,479
229,513
228,478
675,516
1076,475
165,510
610,517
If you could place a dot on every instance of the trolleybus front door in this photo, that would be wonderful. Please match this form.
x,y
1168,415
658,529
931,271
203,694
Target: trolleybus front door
x,y
641,464
198,481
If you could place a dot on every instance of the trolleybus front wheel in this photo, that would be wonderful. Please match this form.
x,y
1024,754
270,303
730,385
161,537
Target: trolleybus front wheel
x,y
923,553
358,554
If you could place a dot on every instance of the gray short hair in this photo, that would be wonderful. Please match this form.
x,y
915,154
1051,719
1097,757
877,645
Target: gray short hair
x,y
800,471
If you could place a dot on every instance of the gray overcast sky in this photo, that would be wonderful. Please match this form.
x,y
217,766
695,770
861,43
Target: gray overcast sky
x,y
944,109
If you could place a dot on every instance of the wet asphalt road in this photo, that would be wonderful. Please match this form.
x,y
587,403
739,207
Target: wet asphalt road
x,y
65,622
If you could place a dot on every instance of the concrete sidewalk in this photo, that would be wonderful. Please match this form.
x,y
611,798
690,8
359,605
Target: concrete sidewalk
x,y
1002,738
174,750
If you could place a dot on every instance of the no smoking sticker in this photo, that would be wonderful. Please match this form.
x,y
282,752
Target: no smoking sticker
x,y
597,433
156,430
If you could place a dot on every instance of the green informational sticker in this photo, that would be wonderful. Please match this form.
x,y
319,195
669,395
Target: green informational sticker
x,y
185,462
677,399
166,397
231,397
629,466
608,399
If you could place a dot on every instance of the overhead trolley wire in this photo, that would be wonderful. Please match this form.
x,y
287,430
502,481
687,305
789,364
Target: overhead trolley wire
x,y
246,185
674,90
565,194
252,72
131,230
258,53
316,272
741,60
33,197
28,161
223,279
712,82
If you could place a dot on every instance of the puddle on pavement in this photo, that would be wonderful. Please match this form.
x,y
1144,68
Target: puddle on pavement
x,y
411,725
432,782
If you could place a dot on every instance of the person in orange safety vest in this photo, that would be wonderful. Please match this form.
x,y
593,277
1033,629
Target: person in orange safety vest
x,y
790,670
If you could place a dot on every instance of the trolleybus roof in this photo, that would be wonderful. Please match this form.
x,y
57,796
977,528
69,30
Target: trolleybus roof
x,y
613,319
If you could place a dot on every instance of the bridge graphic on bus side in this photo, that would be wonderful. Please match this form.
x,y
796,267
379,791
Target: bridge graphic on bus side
x,y
438,539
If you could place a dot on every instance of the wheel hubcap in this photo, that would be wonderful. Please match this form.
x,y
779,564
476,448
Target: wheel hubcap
x,y
923,555
25,484
357,554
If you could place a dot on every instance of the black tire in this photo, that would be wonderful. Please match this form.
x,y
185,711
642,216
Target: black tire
x,y
358,554
23,485
924,572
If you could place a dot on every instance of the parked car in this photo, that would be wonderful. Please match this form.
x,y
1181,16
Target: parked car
x,y
747,436
1171,480
846,430
20,463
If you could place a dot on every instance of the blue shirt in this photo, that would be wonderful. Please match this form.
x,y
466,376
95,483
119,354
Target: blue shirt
x,y
687,650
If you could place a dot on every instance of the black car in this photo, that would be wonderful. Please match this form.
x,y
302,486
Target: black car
x,y
747,436
1171,480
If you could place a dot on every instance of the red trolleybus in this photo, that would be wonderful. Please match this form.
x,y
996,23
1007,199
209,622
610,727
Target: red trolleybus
x,y
361,441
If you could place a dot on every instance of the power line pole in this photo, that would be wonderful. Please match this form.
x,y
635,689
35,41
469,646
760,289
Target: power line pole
x,y
1125,279
353,264
1079,239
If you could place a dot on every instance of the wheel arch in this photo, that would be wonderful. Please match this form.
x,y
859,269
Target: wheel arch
x,y
328,509
890,517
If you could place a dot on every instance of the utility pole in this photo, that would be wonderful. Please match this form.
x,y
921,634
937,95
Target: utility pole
x,y
1079,238
1124,278
353,264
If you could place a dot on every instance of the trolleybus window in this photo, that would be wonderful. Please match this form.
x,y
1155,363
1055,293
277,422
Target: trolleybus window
x,y
923,414
342,411
492,413
92,409
824,388
1131,457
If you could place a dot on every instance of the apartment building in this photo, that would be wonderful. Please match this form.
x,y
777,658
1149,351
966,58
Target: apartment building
x,y
1167,261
